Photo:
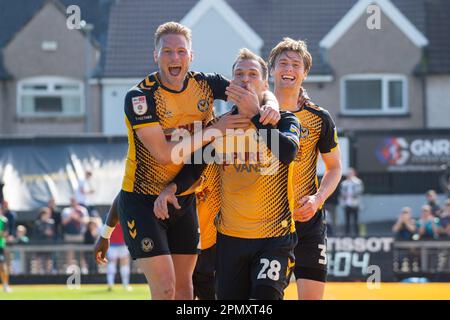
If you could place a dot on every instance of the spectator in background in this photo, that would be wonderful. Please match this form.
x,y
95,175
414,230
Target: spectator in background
x,y
45,226
432,201
445,179
21,235
84,189
4,272
405,227
351,191
74,221
428,225
444,228
12,218
448,187
45,234
90,237
16,256
2,184
331,210
55,214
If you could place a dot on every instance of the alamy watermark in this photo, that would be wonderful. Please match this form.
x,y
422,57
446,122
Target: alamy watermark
x,y
374,280
74,280
74,18
373,22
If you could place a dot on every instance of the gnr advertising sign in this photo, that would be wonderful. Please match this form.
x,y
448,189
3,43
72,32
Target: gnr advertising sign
x,y
403,153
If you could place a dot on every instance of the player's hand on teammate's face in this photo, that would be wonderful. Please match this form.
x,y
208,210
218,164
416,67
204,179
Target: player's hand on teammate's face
x,y
231,121
100,250
269,115
245,98
160,207
308,206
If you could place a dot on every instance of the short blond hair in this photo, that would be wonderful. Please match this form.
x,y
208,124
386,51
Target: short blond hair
x,y
246,54
172,28
289,44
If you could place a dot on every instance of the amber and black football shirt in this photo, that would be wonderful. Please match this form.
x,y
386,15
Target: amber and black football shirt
x,y
255,178
150,103
318,134
208,205
255,185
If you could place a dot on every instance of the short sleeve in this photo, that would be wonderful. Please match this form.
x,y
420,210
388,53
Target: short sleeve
x,y
140,109
328,136
218,85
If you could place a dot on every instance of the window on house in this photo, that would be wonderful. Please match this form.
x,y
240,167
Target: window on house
x,y
50,96
374,94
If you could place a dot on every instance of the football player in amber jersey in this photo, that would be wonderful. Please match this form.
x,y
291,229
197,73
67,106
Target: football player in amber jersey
x,y
256,231
289,63
163,105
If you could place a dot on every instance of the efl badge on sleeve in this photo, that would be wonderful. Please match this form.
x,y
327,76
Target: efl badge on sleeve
x,y
139,105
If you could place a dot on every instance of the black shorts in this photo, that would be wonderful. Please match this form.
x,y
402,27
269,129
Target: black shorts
x,y
254,268
2,255
147,236
204,279
311,250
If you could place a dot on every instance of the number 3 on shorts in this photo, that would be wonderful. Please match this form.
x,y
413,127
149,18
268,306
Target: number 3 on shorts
x,y
270,269
323,254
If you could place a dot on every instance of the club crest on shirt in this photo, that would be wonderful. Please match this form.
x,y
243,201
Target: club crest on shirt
x,y
203,105
139,105
147,244
305,133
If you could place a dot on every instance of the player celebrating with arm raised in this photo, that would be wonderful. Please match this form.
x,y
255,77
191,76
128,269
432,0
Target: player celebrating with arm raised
x,y
289,63
161,107
256,232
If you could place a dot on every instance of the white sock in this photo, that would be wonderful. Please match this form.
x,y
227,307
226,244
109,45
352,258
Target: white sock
x,y
125,274
111,273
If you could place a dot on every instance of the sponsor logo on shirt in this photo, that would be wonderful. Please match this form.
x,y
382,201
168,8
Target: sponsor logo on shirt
x,y
139,105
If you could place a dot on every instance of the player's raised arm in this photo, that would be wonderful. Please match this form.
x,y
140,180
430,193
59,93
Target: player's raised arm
x,y
142,117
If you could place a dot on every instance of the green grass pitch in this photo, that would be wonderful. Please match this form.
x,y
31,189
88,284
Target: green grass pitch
x,y
86,292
